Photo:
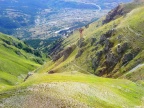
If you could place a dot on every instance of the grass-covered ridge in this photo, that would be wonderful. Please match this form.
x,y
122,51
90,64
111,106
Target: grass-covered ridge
x,y
73,90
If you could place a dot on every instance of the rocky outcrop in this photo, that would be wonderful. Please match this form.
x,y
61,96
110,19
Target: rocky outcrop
x,y
104,37
81,42
108,45
102,71
57,48
95,63
113,14
111,59
80,52
136,51
119,48
65,53
119,38
99,54
122,48
127,57
92,41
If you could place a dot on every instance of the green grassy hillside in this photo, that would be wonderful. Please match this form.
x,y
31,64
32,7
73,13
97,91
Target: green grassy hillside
x,y
109,50
16,60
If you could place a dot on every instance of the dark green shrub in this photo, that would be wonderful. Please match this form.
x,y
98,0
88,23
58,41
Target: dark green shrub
x,y
28,50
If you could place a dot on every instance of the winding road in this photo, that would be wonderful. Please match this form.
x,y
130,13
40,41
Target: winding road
x,y
97,6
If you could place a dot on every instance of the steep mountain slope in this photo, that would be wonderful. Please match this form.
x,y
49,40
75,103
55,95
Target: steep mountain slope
x,y
16,60
107,49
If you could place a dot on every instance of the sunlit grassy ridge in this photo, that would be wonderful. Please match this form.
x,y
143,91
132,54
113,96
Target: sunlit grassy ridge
x,y
73,90
15,63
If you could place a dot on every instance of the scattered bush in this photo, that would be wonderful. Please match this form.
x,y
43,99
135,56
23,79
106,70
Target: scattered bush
x,y
37,53
28,50
39,61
